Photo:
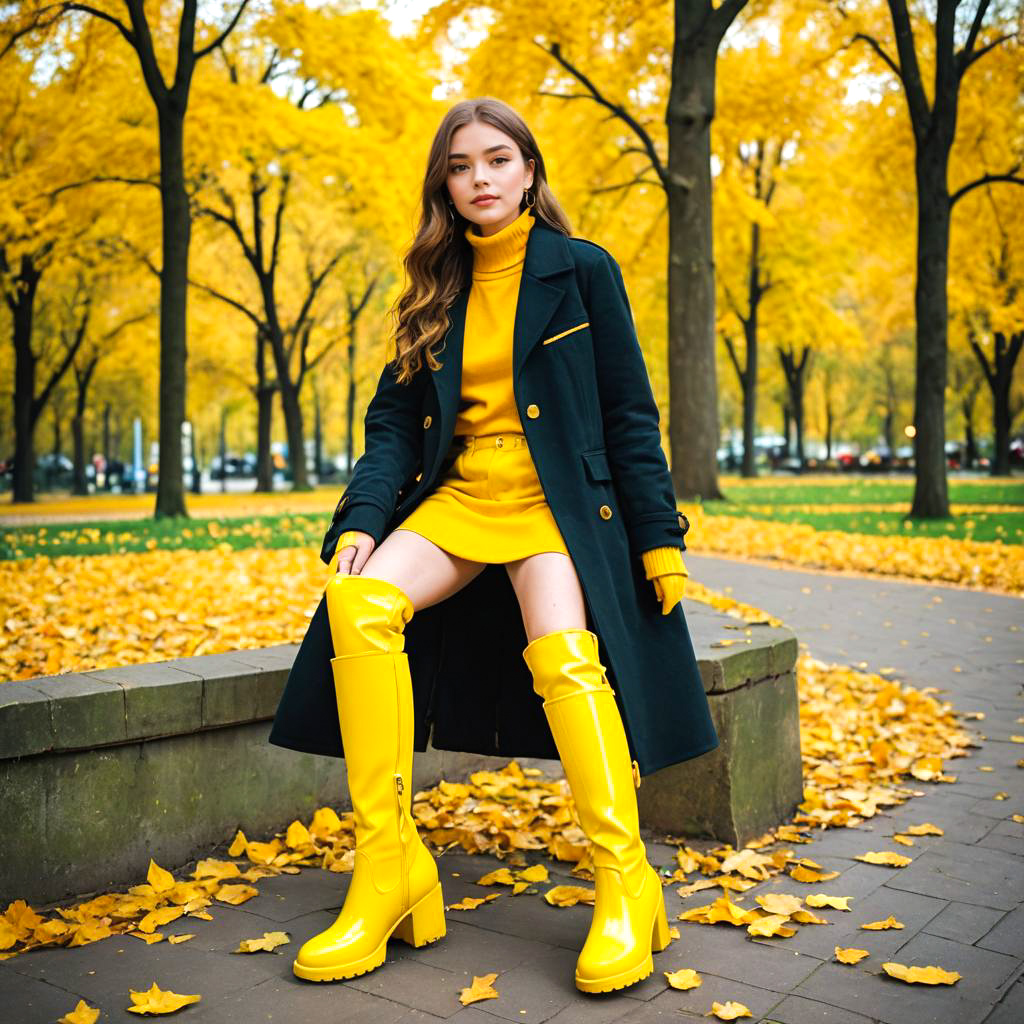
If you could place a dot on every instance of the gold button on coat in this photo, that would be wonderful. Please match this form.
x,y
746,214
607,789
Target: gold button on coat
x,y
532,411
606,512
426,423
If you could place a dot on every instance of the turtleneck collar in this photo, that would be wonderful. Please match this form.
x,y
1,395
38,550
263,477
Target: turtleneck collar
x,y
503,252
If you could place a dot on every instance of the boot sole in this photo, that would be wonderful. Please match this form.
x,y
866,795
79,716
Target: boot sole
x,y
617,981
659,940
421,924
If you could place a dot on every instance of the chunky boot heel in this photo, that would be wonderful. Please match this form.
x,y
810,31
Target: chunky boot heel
x,y
425,922
660,937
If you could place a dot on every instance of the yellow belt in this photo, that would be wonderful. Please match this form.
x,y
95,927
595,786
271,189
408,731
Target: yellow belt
x,y
491,440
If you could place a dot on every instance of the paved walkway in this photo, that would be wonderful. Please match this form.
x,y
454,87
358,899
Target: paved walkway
x,y
960,900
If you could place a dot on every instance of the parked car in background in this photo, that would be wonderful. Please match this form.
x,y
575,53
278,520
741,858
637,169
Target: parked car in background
x,y
235,467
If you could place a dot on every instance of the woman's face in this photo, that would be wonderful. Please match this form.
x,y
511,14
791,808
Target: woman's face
x,y
484,161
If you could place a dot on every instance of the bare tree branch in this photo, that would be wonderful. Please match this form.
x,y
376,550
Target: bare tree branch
x,y
219,41
103,16
99,178
985,179
877,47
615,110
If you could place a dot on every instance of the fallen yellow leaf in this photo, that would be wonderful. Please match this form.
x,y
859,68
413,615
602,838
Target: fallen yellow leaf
x,y
685,978
850,955
482,988
267,943
887,857
83,1013
877,926
922,975
728,1011
156,1000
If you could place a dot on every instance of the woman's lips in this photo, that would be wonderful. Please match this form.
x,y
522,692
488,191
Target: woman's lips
x,y
485,202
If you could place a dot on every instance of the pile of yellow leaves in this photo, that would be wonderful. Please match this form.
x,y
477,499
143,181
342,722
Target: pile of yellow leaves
x,y
861,736
980,564
69,614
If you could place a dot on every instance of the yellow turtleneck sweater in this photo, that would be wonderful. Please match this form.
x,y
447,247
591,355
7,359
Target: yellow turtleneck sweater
x,y
487,403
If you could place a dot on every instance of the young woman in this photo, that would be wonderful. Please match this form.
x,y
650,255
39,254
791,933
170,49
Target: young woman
x,y
514,510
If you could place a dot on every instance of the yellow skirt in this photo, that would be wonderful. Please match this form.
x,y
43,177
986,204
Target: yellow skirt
x,y
489,506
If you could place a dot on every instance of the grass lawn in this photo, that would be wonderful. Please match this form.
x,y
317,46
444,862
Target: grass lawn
x,y
982,510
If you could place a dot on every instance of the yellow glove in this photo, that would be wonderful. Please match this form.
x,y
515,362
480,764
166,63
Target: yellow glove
x,y
665,567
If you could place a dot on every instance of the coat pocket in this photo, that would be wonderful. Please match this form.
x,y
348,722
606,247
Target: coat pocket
x,y
567,331
596,463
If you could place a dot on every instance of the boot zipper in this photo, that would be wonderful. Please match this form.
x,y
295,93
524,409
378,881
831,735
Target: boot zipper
x,y
399,789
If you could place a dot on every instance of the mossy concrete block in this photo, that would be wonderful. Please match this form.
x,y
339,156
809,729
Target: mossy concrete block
x,y
230,687
160,700
102,770
751,782
83,822
85,711
25,723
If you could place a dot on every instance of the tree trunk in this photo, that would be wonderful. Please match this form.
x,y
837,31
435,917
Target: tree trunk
x,y
931,310
749,468
350,402
693,386
292,409
318,434
177,230
224,450
1001,422
796,382
264,418
80,484
56,410
1007,353
107,452
21,304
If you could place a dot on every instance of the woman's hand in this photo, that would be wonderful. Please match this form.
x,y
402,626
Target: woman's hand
x,y
664,567
353,550
669,590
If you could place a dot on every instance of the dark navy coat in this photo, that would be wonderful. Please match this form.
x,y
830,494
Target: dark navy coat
x,y
591,423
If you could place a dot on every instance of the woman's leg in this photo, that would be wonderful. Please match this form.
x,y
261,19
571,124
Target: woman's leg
x,y
629,919
549,593
394,890
426,573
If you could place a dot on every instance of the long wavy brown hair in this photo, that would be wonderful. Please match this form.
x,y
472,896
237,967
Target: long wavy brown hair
x,y
439,263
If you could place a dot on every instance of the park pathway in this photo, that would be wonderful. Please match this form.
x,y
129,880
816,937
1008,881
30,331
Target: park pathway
x,y
960,900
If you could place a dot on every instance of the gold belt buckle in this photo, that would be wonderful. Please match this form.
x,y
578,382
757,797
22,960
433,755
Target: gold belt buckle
x,y
499,442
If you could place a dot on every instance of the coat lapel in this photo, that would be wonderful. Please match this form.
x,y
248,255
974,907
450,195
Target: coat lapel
x,y
547,254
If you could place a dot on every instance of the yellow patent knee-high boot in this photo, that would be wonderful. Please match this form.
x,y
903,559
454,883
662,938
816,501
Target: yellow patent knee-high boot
x,y
394,888
629,919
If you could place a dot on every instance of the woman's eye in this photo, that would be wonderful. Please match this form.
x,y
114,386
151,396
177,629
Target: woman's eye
x,y
457,167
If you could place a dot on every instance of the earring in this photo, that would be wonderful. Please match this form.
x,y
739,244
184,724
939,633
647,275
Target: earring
x,y
528,195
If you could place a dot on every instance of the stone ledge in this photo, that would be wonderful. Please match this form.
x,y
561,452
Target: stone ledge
x,y
80,710
102,770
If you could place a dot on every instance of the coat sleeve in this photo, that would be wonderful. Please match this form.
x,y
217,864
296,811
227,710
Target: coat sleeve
x,y
393,449
631,416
